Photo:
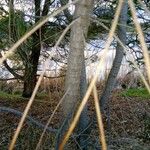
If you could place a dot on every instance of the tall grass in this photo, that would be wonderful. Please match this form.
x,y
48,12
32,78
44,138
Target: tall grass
x,y
94,80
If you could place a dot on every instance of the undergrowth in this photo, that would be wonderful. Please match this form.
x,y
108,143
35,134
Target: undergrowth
x,y
18,96
5,95
136,92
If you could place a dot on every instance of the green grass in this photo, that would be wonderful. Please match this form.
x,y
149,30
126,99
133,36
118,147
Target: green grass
x,y
136,92
18,96
4,95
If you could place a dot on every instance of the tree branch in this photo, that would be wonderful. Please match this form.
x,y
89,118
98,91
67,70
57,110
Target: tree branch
x,y
7,79
16,75
1,79
29,118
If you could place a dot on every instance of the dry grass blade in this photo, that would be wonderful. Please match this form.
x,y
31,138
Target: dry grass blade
x,y
99,67
49,120
141,38
126,49
36,27
99,119
35,91
25,112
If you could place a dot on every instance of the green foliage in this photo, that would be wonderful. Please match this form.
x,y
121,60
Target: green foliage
x,y
18,27
17,95
136,92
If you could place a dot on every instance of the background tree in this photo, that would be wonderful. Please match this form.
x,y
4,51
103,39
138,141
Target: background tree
x,y
29,52
121,32
32,65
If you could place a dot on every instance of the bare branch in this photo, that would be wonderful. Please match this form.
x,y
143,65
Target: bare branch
x,y
11,70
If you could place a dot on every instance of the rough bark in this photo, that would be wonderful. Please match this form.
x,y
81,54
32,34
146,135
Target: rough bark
x,y
84,120
75,80
76,55
31,69
121,32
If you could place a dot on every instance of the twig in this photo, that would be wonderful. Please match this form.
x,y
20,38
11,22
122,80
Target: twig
x,y
1,79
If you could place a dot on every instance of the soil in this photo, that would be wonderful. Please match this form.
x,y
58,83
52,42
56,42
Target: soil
x,y
129,120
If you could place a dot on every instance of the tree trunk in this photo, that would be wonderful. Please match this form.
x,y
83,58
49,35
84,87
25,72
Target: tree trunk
x,y
75,80
118,57
76,55
84,118
32,66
